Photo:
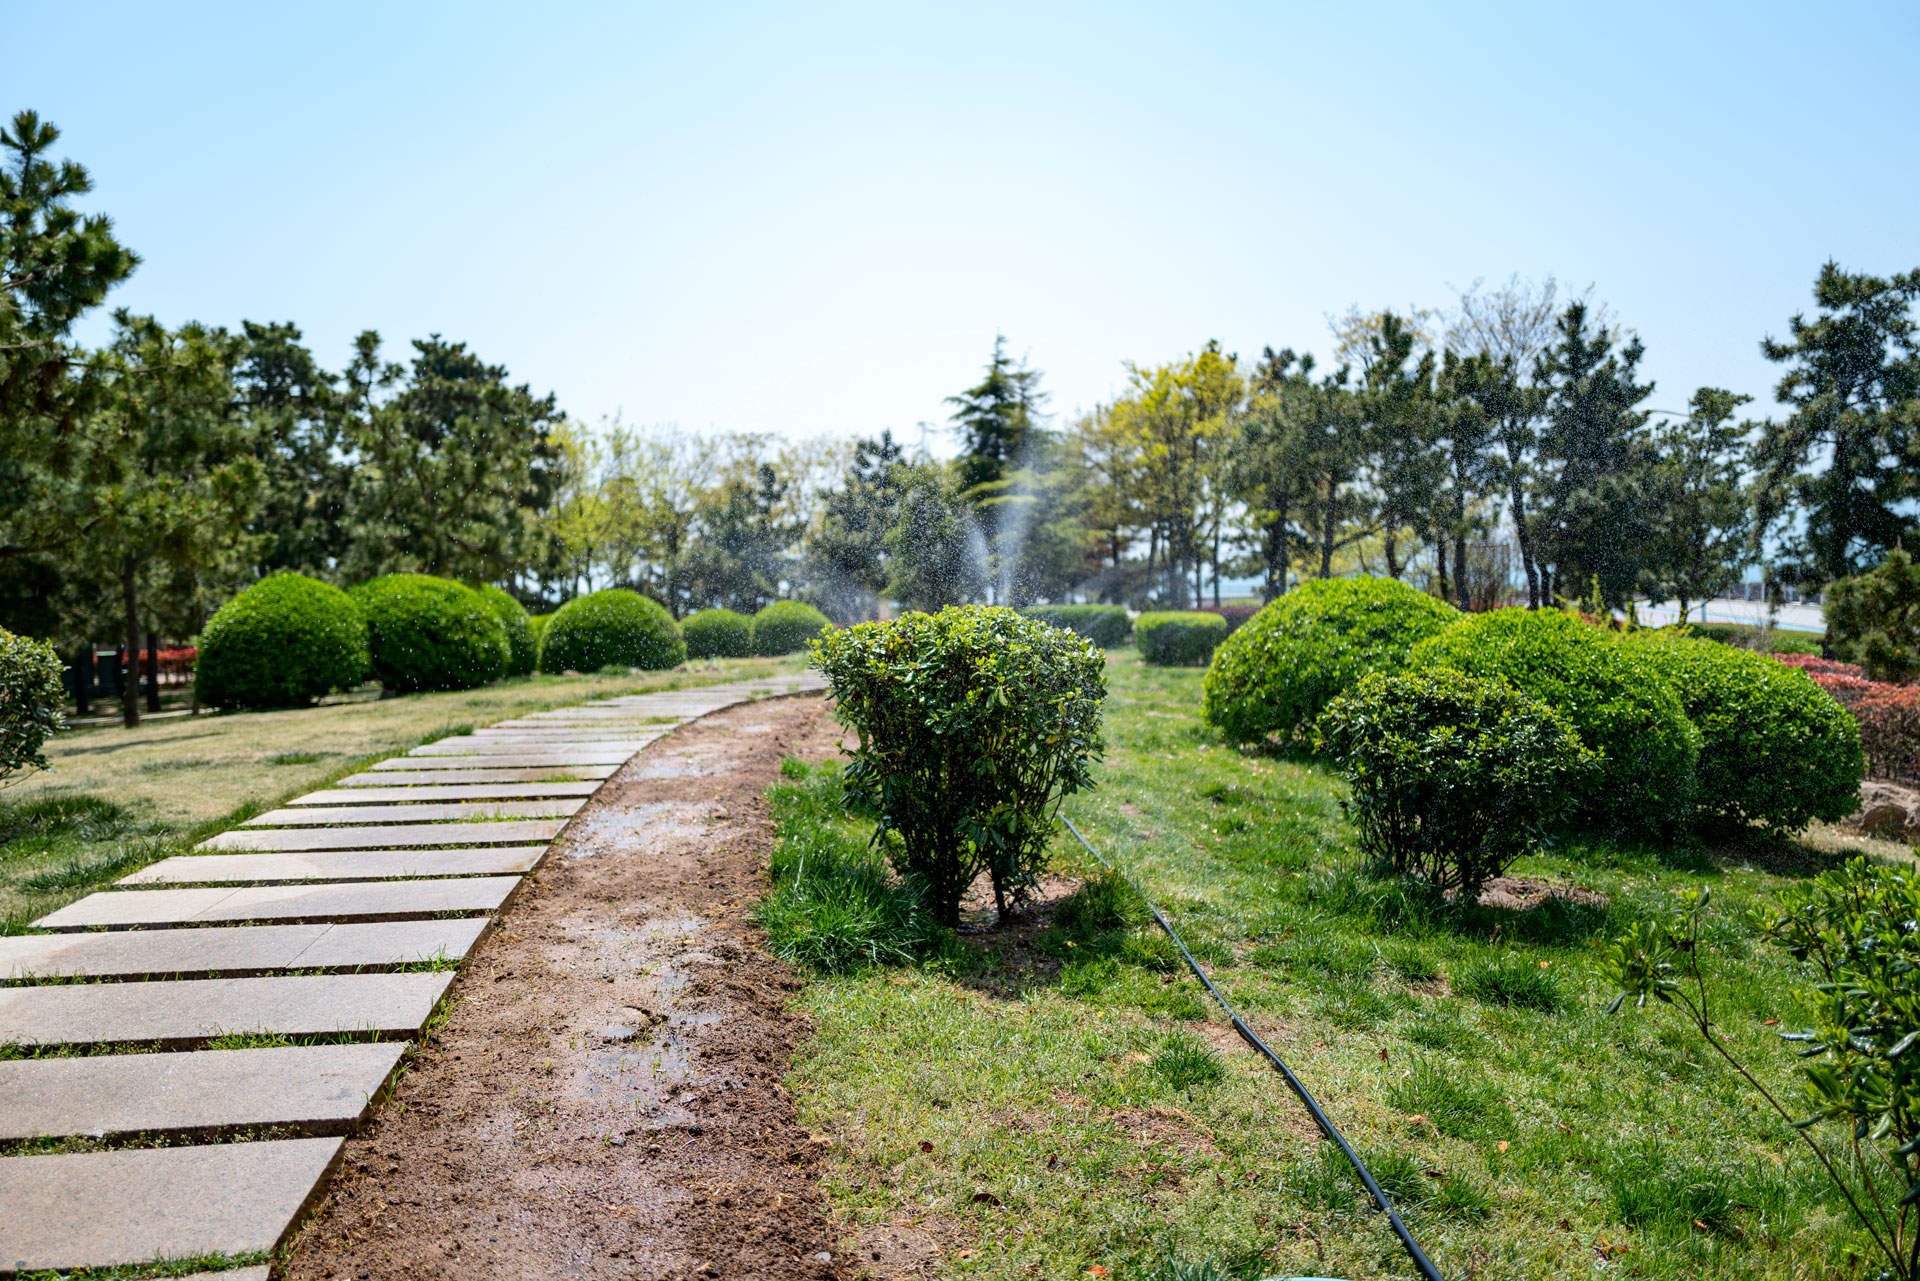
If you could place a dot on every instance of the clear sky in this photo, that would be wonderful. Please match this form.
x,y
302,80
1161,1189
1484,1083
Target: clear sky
x,y
810,218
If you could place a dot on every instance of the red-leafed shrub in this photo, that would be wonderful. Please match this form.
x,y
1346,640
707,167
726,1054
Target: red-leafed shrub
x,y
1889,715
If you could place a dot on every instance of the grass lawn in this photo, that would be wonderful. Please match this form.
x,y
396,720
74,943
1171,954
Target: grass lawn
x,y
116,799
1065,1097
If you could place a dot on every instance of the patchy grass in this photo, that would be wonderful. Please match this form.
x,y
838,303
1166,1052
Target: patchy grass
x,y
116,799
1062,1092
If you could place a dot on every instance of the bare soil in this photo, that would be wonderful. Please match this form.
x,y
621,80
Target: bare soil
x,y
603,1096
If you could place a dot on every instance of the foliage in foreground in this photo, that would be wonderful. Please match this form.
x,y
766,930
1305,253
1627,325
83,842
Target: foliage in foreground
x,y
31,692
1453,777
1276,672
1179,638
427,633
283,642
612,628
974,723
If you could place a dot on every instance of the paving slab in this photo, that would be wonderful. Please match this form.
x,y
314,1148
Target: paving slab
x,y
531,758
187,1010
107,1209
225,949
407,773
336,865
428,812
516,832
560,752
325,1088
256,1273
572,734
477,791
125,909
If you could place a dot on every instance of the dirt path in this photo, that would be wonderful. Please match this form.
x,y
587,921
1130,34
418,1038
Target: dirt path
x,y
603,1098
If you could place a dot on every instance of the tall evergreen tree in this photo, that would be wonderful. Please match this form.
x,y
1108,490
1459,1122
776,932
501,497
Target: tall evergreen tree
x,y
297,415
1701,516
849,550
995,418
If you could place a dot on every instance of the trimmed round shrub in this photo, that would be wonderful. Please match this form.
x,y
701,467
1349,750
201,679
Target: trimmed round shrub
x,y
1277,671
717,633
427,633
786,626
523,646
1776,750
612,628
33,689
283,642
538,622
1105,625
1175,638
1453,776
1614,695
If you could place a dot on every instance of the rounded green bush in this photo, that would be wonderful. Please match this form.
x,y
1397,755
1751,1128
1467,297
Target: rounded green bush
x,y
1776,750
1105,625
1177,638
1615,696
523,647
538,622
1277,670
786,626
282,642
32,690
717,633
612,628
427,633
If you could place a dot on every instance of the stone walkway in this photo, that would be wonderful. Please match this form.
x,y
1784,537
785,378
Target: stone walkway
x,y
329,930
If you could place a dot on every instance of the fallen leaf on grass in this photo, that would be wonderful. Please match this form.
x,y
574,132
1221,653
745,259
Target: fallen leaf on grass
x,y
986,1198
925,1146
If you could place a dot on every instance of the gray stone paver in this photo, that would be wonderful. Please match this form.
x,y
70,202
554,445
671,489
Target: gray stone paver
x,y
314,1086
336,865
107,1209
530,759
429,812
187,1010
554,753
127,908
405,773
226,949
391,795
514,832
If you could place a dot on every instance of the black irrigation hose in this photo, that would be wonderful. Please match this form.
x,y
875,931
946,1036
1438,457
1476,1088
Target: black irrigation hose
x,y
1327,1127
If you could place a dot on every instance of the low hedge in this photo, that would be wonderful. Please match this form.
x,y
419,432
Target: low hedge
x,y
717,633
523,646
786,626
1178,638
1776,750
1105,625
1615,695
1276,672
32,691
427,633
612,628
282,642
538,622
1773,640
1888,715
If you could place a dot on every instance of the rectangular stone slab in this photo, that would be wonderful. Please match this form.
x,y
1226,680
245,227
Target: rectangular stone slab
x,y
563,752
248,949
531,758
127,908
106,1209
336,865
480,791
568,735
453,812
187,1010
325,1088
517,832
406,773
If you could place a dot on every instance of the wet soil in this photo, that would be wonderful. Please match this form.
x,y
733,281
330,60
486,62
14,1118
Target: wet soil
x,y
602,1097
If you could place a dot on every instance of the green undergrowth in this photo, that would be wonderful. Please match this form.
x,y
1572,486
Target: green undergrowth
x,y
1060,1093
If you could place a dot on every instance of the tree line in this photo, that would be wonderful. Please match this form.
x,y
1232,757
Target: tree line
x,y
1511,438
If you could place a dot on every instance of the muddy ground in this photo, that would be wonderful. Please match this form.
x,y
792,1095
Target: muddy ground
x,y
603,1098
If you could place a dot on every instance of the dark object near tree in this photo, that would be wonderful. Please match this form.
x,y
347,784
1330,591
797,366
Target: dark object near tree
x,y
1454,776
1178,638
1614,696
426,633
523,647
1776,749
717,633
786,626
1874,619
1105,625
613,628
283,642
1276,673
974,723
31,693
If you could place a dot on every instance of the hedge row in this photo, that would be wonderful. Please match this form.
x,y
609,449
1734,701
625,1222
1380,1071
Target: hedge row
x,y
1177,638
1888,715
1105,625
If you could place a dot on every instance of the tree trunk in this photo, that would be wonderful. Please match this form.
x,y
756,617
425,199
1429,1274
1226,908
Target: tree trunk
x,y
1277,555
1440,566
1460,572
1216,559
1390,545
83,679
1326,529
130,603
153,671
1517,498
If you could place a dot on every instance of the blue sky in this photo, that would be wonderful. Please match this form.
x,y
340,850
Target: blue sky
x,y
814,218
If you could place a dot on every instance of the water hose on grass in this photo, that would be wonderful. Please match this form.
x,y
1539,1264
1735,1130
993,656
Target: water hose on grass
x,y
1421,1263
